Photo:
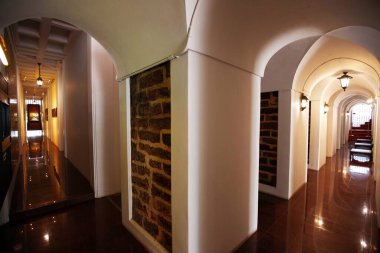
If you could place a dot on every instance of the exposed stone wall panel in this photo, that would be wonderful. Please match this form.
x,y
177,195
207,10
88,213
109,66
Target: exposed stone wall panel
x,y
151,152
268,138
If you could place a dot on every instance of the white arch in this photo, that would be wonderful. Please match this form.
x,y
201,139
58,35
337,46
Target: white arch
x,y
135,33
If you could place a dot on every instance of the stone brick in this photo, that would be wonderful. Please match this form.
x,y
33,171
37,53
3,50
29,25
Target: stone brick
x,y
268,169
144,196
136,216
155,164
141,170
149,136
150,227
162,180
160,93
167,225
137,203
138,156
158,152
159,124
149,109
139,123
270,154
150,115
166,241
140,97
167,68
152,79
273,162
143,183
271,125
166,139
134,190
269,140
265,133
133,134
263,160
162,207
264,103
272,117
166,108
167,169
265,95
268,110
156,192
274,133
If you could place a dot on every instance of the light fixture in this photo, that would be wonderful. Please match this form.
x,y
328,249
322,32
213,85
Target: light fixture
x,y
344,80
3,49
40,82
326,108
304,101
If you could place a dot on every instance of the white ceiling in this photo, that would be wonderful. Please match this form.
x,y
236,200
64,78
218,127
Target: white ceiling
x,y
40,40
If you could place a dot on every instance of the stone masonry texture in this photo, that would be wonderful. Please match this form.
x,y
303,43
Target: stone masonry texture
x,y
268,138
151,152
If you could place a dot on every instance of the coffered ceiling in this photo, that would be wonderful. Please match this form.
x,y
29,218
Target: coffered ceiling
x,y
41,40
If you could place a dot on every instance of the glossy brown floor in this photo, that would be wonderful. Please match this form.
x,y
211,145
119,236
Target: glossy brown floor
x,y
46,181
333,212
93,226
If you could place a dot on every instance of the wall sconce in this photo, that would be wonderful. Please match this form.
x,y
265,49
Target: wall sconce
x,y
304,101
40,82
326,108
344,80
3,49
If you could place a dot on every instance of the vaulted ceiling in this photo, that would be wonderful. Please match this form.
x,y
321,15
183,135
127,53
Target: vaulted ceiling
x,y
40,40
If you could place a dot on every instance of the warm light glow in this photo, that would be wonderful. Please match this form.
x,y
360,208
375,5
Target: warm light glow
x,y
359,169
13,101
3,49
344,80
318,221
369,100
365,210
46,237
326,108
363,243
304,101
40,82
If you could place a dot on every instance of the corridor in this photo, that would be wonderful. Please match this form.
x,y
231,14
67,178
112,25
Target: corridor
x,y
46,181
333,212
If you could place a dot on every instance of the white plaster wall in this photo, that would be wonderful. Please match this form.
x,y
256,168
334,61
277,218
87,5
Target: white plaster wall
x,y
105,122
323,139
179,155
223,154
315,134
298,148
283,154
76,102
332,131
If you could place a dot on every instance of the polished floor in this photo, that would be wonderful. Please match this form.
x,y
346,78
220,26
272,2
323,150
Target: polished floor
x,y
46,180
333,212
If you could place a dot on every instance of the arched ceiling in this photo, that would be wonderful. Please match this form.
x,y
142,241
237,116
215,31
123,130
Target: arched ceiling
x,y
135,33
248,33
328,58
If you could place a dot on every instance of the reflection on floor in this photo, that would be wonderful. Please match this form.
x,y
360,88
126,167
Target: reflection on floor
x,y
334,212
46,181
93,226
